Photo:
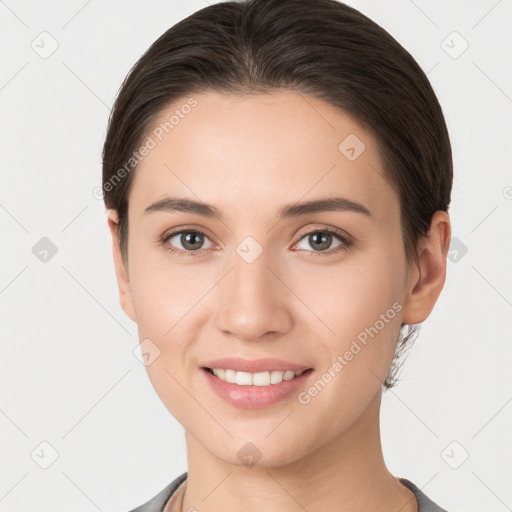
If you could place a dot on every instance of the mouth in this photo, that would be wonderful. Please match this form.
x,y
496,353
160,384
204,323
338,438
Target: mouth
x,y
255,383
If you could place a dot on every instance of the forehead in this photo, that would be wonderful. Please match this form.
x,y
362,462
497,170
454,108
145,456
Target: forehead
x,y
274,148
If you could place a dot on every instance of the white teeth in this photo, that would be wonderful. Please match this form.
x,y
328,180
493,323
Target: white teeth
x,y
254,379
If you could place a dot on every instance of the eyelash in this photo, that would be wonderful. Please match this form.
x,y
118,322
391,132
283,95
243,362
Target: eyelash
x,y
346,242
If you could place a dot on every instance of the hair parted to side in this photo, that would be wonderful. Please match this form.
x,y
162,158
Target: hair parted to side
x,y
322,48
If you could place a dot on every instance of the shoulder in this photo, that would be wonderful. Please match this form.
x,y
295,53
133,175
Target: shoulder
x,y
425,504
157,503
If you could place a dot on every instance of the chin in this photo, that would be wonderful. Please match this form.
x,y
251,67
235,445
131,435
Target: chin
x,y
257,453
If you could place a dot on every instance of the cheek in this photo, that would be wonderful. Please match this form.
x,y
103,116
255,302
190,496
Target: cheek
x,y
164,293
358,306
362,312
165,306
351,294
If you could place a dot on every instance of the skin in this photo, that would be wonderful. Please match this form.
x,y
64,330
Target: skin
x,y
249,156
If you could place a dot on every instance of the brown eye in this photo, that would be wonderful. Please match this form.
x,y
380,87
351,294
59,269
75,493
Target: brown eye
x,y
322,240
186,240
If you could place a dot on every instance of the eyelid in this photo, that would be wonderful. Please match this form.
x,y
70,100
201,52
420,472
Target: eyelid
x,y
324,227
188,228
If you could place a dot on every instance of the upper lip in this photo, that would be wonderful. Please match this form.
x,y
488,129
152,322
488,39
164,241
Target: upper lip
x,y
255,365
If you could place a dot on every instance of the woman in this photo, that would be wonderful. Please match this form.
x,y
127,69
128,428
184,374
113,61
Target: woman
x,y
277,176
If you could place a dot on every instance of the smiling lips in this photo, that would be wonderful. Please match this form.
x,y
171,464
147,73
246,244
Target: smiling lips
x,y
256,372
256,383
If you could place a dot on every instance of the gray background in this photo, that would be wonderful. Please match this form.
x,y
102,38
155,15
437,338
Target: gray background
x,y
70,378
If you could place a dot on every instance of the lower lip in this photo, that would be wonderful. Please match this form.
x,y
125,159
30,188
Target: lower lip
x,y
255,397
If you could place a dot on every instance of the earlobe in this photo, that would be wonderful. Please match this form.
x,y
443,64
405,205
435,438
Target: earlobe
x,y
123,282
428,279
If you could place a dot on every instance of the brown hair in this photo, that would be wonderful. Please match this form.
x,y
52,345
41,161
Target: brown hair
x,y
323,48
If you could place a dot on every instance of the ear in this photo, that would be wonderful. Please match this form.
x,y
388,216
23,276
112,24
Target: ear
x,y
427,278
123,282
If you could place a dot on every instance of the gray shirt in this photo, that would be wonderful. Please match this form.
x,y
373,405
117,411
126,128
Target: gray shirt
x,y
157,504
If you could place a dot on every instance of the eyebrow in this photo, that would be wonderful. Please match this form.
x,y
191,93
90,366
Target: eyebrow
x,y
331,204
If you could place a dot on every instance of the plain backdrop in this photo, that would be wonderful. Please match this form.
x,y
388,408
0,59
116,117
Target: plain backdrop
x,y
74,396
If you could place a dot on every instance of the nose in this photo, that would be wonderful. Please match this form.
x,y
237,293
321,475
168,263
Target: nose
x,y
252,301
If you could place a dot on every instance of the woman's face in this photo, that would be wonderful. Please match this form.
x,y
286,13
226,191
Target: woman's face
x,y
257,284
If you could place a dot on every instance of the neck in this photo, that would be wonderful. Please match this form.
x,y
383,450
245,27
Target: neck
x,y
348,473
